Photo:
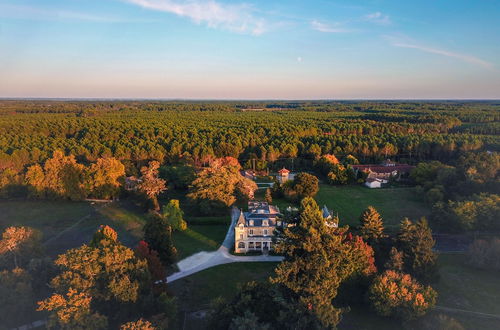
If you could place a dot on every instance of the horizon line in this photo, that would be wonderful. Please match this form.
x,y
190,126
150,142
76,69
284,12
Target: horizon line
x,y
233,99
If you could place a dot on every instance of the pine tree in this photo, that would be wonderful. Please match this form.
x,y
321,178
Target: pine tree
x,y
372,227
416,242
269,196
316,262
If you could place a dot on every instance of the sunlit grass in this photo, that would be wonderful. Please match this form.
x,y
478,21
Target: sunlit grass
x,y
199,238
129,221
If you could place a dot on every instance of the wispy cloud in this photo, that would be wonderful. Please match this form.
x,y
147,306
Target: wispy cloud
x,y
463,57
38,13
233,17
328,28
378,18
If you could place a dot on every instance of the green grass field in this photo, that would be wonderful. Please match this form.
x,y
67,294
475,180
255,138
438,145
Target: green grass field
x,y
70,224
392,203
67,225
199,238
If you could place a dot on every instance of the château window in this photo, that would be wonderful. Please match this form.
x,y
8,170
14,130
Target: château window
x,y
265,232
251,222
265,223
251,231
241,236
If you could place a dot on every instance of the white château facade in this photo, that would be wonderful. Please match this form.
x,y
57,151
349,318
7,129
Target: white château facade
x,y
254,230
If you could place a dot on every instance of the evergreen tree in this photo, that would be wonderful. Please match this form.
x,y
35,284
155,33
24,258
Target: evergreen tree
x,y
316,262
416,242
158,235
372,227
174,215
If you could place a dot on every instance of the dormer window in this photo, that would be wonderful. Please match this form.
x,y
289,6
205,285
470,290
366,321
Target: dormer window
x,y
251,223
265,223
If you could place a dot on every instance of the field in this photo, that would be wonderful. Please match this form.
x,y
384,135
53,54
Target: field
x,y
70,224
392,203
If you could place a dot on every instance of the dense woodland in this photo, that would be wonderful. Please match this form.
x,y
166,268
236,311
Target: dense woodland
x,y
196,132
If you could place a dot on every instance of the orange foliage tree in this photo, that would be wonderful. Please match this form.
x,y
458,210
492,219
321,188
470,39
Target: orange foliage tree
x,y
396,294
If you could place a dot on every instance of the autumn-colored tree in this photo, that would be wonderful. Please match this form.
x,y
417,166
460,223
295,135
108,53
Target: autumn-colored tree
x,y
35,179
217,186
140,324
372,227
151,184
21,244
269,196
17,298
104,236
156,268
106,270
399,295
61,176
158,235
362,256
105,176
416,242
72,311
309,271
331,159
174,215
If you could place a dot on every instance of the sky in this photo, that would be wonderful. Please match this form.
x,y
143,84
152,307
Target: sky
x,y
250,49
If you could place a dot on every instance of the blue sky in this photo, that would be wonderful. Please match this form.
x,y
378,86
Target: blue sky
x,y
250,49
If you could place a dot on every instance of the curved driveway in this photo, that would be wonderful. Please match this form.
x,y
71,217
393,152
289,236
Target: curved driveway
x,y
203,260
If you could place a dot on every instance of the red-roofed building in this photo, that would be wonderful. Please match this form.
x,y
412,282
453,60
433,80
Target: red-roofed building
x,y
283,172
385,171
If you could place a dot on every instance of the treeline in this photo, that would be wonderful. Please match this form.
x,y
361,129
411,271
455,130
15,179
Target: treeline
x,y
137,132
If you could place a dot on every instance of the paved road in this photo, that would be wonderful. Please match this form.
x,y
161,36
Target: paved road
x,y
203,260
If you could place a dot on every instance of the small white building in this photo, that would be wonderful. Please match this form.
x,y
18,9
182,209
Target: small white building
x,y
374,182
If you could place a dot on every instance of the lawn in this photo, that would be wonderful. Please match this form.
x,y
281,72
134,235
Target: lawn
x,y
392,203
467,288
67,225
195,292
199,238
